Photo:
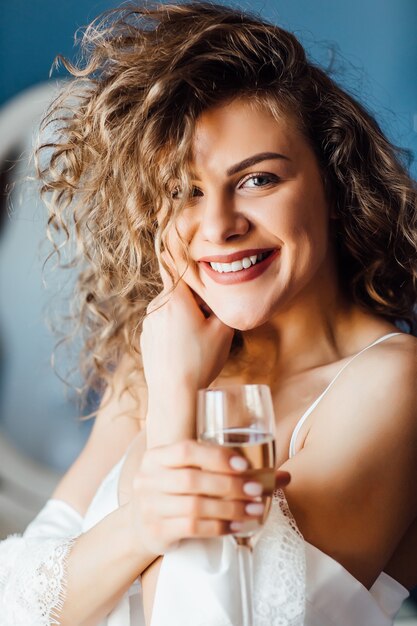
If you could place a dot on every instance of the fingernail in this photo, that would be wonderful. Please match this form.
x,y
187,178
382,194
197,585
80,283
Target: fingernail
x,y
253,489
254,508
235,526
238,463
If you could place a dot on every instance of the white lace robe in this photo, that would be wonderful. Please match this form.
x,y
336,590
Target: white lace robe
x,y
32,567
295,583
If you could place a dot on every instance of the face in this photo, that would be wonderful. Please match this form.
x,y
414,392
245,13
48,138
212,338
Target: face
x,y
256,226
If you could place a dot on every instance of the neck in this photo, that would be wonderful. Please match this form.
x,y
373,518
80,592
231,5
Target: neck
x,y
312,330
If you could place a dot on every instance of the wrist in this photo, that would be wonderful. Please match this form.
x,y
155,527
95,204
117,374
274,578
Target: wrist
x,y
136,548
171,417
176,390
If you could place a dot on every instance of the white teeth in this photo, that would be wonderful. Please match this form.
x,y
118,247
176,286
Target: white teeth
x,y
237,266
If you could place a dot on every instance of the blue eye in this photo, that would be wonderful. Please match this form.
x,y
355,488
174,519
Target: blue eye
x,y
259,180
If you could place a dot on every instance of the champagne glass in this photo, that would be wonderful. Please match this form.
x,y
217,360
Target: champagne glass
x,y
242,417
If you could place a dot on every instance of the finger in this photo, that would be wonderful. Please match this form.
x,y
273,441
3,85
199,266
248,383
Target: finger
x,y
201,507
203,306
184,293
217,329
190,453
192,299
177,291
282,479
189,481
160,300
178,528
185,296
212,322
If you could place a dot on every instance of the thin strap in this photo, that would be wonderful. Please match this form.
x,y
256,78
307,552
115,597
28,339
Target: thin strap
x,y
315,403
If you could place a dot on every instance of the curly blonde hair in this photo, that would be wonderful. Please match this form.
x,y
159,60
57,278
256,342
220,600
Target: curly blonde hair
x,y
122,132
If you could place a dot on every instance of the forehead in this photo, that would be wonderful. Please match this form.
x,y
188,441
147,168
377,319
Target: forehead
x,y
226,134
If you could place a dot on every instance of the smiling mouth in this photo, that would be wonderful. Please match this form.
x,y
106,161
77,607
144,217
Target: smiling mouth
x,y
241,264
240,270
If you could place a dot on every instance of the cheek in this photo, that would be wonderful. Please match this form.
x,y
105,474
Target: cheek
x,y
303,230
306,248
177,240
185,224
306,215
311,228
182,232
178,244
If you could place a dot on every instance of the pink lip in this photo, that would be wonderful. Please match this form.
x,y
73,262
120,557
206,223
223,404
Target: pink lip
x,y
235,256
233,278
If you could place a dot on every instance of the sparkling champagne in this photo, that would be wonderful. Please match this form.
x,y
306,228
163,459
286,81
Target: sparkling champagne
x,y
258,448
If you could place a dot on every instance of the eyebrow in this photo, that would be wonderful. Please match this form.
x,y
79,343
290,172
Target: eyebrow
x,y
252,160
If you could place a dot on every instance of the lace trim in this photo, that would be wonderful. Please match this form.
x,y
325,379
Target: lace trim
x,y
280,569
32,580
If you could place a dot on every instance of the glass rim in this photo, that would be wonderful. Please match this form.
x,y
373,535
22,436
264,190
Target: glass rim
x,y
232,386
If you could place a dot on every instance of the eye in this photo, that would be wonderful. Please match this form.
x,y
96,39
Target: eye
x,y
177,193
256,181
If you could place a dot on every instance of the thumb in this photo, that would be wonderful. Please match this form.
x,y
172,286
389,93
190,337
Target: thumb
x,y
282,479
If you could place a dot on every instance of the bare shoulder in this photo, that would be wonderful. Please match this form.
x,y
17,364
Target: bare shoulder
x,y
116,425
353,489
398,352
388,373
385,376
376,396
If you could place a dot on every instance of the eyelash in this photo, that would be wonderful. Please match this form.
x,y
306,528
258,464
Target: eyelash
x,y
272,178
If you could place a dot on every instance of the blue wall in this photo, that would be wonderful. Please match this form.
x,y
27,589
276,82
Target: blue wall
x,y
377,37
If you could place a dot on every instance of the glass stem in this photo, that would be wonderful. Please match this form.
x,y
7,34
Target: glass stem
x,y
245,559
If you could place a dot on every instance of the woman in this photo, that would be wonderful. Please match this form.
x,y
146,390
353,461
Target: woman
x,y
245,217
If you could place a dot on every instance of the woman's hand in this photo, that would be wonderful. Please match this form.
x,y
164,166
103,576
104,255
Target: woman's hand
x,y
182,351
192,489
179,344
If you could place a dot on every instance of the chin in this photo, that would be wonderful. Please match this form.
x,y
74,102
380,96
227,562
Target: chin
x,y
241,319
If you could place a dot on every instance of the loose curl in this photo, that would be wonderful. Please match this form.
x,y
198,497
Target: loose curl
x,y
122,132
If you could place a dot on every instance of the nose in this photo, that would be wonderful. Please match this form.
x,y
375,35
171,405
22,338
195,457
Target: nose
x,y
221,220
